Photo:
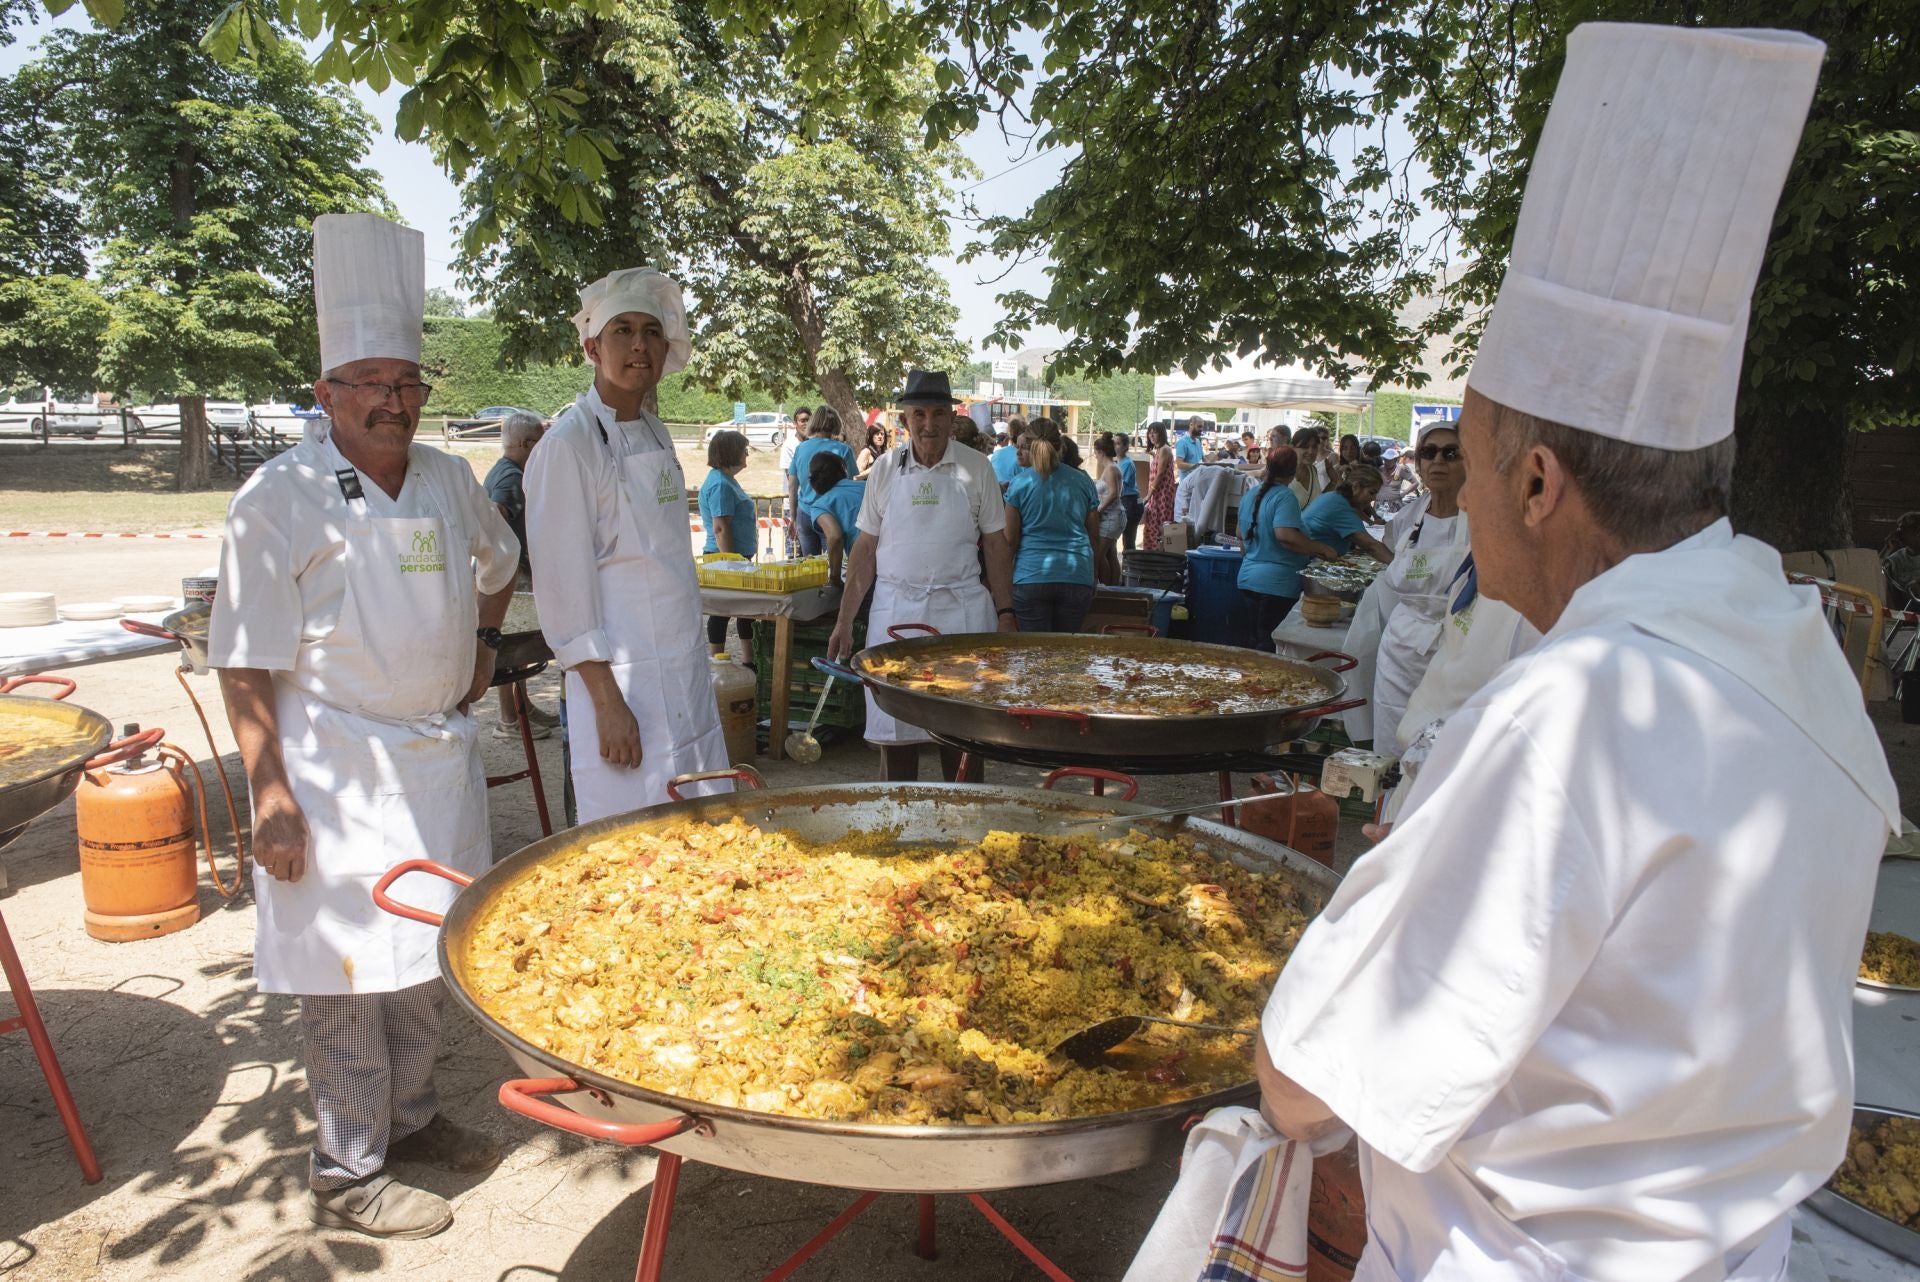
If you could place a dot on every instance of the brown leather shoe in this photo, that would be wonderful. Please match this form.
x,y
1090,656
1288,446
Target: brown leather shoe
x,y
447,1146
380,1206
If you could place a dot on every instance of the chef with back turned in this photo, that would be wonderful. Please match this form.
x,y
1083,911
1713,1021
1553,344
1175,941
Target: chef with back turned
x,y
362,583
1587,1007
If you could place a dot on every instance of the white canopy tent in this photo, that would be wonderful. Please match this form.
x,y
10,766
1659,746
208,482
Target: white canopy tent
x,y
1249,382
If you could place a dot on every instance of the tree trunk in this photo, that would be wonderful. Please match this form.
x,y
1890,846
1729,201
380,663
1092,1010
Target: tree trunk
x,y
195,469
804,311
1790,480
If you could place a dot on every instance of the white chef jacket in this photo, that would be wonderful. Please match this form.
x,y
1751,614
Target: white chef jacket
x,y
1588,1006
292,516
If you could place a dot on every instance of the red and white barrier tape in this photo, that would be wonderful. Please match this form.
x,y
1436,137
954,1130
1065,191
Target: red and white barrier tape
x,y
97,534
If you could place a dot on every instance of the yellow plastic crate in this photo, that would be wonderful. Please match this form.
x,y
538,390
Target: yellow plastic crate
x,y
723,570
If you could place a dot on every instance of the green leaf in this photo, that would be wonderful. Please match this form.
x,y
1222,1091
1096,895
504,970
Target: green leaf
x,y
105,12
222,38
411,116
57,7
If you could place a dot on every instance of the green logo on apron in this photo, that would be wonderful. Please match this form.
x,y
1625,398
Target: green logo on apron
x,y
425,558
668,491
925,496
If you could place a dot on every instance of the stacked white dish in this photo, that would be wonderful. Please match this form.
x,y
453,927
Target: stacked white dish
x,y
90,611
147,604
27,609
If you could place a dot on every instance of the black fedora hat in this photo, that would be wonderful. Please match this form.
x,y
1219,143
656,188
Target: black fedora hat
x,y
925,388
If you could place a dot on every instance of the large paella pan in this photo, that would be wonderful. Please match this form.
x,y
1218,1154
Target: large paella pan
x,y
1061,697
44,746
977,1155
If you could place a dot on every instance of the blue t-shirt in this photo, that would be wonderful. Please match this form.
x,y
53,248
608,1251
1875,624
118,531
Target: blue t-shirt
x,y
1054,547
1186,449
721,496
1268,566
1006,462
1332,520
803,461
1129,484
842,502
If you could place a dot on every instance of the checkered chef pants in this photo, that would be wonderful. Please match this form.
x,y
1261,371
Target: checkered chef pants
x,y
370,1071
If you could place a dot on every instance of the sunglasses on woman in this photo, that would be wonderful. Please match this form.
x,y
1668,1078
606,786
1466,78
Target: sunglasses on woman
x,y
1451,453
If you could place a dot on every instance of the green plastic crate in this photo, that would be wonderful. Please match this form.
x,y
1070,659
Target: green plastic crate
x,y
846,706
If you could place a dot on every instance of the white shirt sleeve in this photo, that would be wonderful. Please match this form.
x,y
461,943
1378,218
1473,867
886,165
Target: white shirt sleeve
x,y
1447,950
989,502
562,546
495,552
873,504
257,613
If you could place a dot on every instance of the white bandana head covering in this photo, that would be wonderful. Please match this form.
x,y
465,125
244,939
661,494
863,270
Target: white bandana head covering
x,y
637,289
1647,210
369,288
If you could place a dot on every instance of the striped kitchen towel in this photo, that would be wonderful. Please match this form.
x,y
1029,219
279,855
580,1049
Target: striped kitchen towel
x,y
1238,1212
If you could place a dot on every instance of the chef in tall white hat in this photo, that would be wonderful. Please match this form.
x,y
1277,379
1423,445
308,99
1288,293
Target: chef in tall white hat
x,y
1587,1006
607,524
362,583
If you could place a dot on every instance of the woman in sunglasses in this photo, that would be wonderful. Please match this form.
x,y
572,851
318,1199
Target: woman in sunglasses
x,y
1407,605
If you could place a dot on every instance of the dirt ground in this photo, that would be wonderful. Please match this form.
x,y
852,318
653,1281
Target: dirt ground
x,y
190,1081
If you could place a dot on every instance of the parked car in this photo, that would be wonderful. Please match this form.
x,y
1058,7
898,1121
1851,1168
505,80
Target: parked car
x,y
162,418
84,419
762,428
486,422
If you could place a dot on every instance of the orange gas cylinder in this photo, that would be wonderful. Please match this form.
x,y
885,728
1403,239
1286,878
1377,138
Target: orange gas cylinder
x,y
1336,1217
137,847
1308,821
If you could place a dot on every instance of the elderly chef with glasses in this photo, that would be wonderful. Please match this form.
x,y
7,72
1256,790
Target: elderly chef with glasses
x,y
608,525
362,583
1587,1007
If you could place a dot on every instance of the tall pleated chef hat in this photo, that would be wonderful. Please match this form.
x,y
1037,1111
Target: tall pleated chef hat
x,y
1624,308
637,289
369,288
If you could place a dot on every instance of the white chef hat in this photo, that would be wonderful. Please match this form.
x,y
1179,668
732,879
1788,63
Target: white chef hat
x,y
637,289
1647,210
369,288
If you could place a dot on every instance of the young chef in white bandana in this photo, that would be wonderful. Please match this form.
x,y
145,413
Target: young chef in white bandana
x,y
607,524
1587,1007
362,584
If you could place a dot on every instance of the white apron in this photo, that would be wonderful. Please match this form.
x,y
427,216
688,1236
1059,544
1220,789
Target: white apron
x,y
1417,584
1369,623
926,571
382,764
651,603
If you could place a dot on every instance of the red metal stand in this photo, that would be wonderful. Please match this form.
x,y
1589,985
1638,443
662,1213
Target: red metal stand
x,y
532,771
666,1185
29,1019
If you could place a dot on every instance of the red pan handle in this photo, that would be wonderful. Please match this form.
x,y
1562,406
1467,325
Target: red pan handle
x,y
1128,782
1347,706
1025,717
522,1096
1346,660
744,774
142,628
400,870
66,684
895,629
131,746
1115,629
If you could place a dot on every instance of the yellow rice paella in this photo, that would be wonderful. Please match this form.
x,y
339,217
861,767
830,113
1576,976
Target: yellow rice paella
x,y
868,981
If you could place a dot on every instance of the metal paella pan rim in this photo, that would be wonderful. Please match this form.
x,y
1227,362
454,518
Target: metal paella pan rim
x,y
924,814
1889,1235
82,719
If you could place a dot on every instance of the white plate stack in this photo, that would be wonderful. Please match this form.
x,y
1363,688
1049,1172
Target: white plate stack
x,y
89,611
27,609
148,604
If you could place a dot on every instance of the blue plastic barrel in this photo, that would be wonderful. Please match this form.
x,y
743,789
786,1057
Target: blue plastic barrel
x,y
1220,614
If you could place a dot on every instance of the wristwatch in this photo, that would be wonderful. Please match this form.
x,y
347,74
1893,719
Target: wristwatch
x,y
489,637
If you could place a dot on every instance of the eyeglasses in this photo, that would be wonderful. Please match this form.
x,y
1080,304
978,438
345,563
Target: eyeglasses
x,y
412,395
1451,453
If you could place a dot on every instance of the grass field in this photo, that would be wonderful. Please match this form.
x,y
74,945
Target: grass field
x,y
101,487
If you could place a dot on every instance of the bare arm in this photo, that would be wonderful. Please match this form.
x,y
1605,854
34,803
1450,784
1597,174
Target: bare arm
x,y
619,731
1011,532
1000,578
830,533
1295,540
1294,1111
723,534
1373,547
279,828
859,579
493,612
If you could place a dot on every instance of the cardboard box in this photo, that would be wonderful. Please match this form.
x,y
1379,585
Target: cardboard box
x,y
1177,536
